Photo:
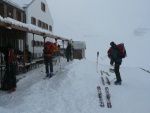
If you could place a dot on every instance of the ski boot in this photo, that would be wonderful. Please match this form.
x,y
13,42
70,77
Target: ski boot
x,y
47,75
117,83
51,74
11,90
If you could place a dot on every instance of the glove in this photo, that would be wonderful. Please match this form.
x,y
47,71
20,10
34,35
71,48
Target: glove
x,y
111,63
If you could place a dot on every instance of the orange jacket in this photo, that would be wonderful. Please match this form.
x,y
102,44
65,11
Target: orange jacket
x,y
50,48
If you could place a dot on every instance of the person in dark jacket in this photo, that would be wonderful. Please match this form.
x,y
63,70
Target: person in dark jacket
x,y
69,51
11,65
115,59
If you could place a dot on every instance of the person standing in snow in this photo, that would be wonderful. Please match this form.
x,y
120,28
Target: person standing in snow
x,y
115,59
49,47
69,51
11,65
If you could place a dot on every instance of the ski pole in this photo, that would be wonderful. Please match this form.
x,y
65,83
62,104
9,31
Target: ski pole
x,y
60,60
112,79
97,62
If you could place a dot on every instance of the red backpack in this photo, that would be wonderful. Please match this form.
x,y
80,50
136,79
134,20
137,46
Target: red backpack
x,y
47,48
122,51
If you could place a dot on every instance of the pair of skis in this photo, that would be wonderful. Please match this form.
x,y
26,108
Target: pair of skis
x,y
101,102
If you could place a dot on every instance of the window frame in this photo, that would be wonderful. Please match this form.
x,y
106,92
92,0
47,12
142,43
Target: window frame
x,y
2,9
10,10
39,23
43,7
50,28
33,21
18,15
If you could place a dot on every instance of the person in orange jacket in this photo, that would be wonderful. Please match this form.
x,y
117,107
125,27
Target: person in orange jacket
x,y
49,47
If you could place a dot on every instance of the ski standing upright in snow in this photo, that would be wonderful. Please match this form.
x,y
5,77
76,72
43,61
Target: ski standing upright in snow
x,y
97,62
108,97
101,102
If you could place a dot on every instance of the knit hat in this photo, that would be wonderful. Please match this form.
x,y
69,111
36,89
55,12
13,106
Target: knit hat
x,y
112,43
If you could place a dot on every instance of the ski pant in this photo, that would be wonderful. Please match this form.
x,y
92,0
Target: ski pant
x,y
49,64
68,55
117,66
11,75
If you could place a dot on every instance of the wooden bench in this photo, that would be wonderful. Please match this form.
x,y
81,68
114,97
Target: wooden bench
x,y
38,61
27,66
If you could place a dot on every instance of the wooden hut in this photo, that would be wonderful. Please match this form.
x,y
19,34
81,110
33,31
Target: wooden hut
x,y
79,49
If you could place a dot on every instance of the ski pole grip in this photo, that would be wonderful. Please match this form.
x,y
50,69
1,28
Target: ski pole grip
x,y
97,54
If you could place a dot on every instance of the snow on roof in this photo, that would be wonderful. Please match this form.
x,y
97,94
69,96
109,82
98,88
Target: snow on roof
x,y
79,45
29,26
20,24
20,3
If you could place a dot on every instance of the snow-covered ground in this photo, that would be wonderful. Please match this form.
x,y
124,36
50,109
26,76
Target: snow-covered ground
x,y
74,89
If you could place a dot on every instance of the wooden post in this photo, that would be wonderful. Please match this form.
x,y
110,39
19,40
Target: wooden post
x,y
44,39
33,45
63,44
56,41
1,57
24,44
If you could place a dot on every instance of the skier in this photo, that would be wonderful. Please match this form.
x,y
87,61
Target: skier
x,y
114,58
49,47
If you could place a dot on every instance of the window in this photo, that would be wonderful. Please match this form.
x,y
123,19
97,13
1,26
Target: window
x,y
50,28
39,23
43,25
42,6
33,21
10,12
46,26
38,43
2,9
18,16
34,43
42,43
